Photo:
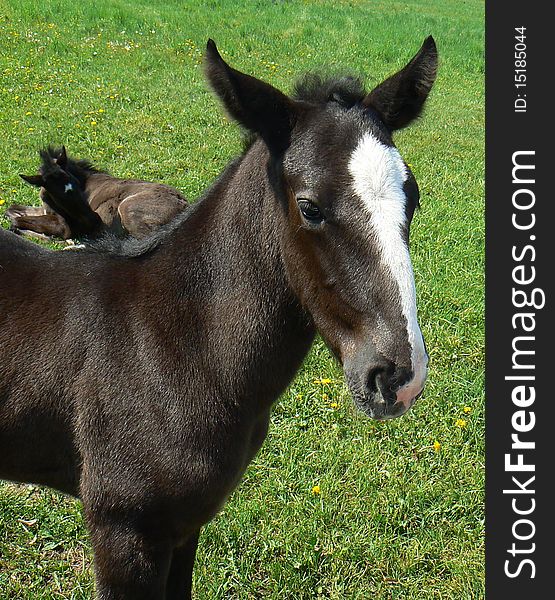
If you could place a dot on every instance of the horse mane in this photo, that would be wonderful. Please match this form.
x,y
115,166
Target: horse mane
x,y
344,90
129,247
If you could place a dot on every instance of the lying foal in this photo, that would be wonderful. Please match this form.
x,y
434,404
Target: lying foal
x,y
82,201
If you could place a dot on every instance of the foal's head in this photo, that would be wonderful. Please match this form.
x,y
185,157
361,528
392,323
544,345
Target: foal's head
x,y
347,199
61,190
54,179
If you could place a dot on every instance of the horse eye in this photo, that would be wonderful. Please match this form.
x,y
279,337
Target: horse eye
x,y
310,211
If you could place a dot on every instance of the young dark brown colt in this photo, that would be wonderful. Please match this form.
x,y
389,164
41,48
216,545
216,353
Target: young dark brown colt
x,y
140,376
81,201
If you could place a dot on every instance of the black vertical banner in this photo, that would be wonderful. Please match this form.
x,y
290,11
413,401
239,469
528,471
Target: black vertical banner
x,y
520,269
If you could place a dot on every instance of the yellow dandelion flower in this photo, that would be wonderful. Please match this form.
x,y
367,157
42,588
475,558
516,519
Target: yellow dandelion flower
x,y
324,396
461,423
2,201
28,113
316,490
437,446
334,405
467,410
93,123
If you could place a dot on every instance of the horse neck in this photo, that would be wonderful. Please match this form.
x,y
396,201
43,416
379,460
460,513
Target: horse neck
x,y
235,299
93,179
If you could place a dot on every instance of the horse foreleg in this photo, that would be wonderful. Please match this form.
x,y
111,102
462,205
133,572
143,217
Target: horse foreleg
x,y
129,565
180,577
20,210
51,225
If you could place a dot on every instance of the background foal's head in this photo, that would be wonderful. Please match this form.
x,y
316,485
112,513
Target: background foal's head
x,y
62,192
54,179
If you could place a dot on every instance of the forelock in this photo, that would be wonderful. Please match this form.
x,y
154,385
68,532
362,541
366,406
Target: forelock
x,y
346,90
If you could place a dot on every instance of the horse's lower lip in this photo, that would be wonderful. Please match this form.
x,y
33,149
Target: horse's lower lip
x,y
380,410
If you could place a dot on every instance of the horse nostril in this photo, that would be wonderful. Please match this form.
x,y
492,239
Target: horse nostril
x,y
373,375
387,387
386,380
378,379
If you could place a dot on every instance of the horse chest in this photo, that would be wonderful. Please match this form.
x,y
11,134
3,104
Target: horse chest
x,y
236,452
208,488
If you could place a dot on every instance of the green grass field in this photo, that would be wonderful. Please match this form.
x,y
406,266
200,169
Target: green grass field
x,y
399,513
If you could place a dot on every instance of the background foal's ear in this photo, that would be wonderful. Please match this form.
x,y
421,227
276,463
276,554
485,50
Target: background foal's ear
x,y
35,180
400,98
255,104
61,159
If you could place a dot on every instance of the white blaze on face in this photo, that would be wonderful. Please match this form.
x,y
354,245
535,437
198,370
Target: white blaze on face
x,y
68,188
379,173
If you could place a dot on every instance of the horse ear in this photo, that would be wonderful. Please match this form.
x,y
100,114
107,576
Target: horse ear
x,y
35,180
400,98
61,159
256,105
